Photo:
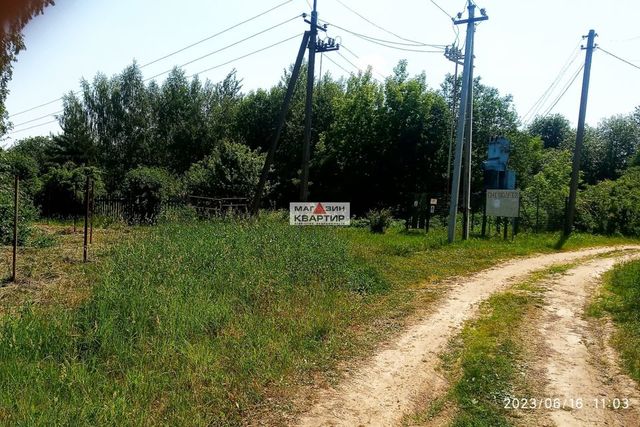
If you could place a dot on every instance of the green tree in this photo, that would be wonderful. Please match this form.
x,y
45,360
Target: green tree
x,y
554,130
621,139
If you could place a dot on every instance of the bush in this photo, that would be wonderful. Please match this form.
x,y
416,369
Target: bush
x,y
146,189
379,220
63,188
231,170
611,207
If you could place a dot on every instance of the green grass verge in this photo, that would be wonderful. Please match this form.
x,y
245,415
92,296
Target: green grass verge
x,y
198,324
620,299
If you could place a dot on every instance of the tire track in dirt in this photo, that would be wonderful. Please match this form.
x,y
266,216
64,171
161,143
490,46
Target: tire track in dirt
x,y
389,384
578,362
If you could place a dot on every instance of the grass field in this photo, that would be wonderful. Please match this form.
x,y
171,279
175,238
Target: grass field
x,y
620,299
211,323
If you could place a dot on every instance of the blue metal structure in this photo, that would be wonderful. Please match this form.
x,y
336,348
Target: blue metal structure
x,y
496,174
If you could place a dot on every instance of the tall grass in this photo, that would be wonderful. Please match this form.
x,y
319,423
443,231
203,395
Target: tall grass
x,y
190,325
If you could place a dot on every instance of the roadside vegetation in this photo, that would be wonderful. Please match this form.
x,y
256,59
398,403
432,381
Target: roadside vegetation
x,y
620,300
216,322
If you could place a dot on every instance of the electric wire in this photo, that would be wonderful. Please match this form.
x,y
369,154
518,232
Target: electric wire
x,y
31,127
172,53
417,43
618,58
535,108
217,34
355,55
340,66
246,55
566,88
391,42
224,48
382,42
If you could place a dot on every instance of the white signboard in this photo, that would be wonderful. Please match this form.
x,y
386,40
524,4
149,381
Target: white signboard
x,y
319,213
504,203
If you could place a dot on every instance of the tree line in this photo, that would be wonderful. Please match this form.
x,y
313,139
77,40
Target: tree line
x,y
375,143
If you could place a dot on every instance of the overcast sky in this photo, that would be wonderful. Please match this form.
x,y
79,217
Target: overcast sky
x,y
520,50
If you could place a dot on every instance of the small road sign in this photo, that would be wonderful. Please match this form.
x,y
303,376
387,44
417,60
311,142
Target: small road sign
x,y
504,203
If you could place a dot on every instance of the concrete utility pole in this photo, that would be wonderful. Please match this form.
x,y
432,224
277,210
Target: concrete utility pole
x,y
454,54
309,41
468,145
306,150
455,187
575,173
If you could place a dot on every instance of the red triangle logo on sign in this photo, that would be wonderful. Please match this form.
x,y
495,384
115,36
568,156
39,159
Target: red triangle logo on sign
x,y
319,210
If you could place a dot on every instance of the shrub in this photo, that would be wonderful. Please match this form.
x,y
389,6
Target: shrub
x,y
63,188
146,189
379,220
231,170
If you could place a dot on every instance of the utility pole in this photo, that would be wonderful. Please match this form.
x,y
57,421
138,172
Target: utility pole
x,y
309,41
311,65
455,187
315,46
454,54
468,145
577,153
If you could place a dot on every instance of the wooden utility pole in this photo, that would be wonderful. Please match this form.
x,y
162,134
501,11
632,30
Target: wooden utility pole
x,y
457,166
16,188
577,153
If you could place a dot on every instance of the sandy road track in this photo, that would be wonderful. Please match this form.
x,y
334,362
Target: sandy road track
x,y
578,362
387,386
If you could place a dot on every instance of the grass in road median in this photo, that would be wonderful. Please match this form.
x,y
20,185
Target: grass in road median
x,y
486,361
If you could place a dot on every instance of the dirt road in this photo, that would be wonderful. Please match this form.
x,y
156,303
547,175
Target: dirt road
x,y
387,386
580,366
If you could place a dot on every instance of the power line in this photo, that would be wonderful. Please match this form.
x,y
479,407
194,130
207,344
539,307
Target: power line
x,y
545,96
32,127
217,34
358,57
391,42
379,26
439,7
37,118
566,88
172,53
225,47
340,66
618,58
247,55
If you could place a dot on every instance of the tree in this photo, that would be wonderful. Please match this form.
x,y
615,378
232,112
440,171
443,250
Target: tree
x,y
621,141
548,189
554,130
14,16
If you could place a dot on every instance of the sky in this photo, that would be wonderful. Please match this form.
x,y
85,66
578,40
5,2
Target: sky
x,y
520,50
